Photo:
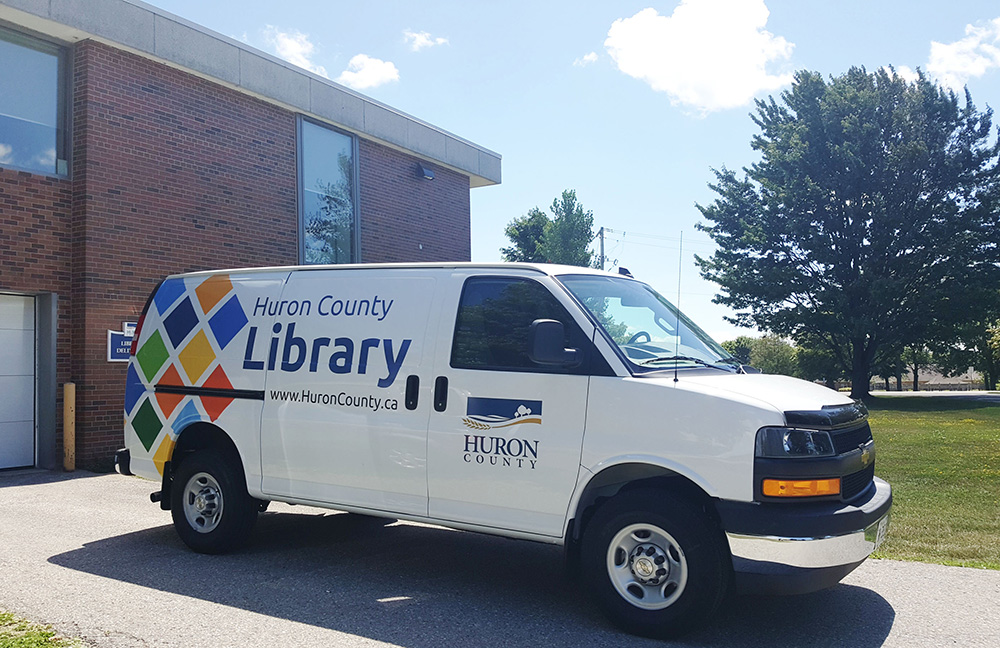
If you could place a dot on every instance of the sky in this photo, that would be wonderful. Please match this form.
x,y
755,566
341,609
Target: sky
x,y
630,104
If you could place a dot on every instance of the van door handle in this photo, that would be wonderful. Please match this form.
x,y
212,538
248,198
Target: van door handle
x,y
412,392
440,393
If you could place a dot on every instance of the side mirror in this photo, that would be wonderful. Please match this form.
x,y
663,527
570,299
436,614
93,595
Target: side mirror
x,y
747,369
546,339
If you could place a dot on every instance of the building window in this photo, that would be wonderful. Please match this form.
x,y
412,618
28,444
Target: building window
x,y
32,104
328,223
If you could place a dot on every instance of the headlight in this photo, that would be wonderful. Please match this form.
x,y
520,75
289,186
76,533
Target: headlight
x,y
780,443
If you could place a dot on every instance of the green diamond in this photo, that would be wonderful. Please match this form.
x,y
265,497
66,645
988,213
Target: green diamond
x,y
146,424
152,355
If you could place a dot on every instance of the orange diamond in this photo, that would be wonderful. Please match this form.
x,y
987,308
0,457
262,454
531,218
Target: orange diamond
x,y
168,402
212,290
215,405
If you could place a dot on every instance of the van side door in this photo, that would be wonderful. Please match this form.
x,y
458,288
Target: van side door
x,y
342,421
505,439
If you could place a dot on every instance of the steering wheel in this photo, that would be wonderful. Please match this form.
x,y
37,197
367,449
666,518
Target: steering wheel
x,y
640,334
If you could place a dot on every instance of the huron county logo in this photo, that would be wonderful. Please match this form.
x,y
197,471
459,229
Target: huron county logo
x,y
495,413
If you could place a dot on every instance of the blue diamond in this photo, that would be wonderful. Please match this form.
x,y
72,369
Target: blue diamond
x,y
189,414
168,292
228,321
134,389
181,322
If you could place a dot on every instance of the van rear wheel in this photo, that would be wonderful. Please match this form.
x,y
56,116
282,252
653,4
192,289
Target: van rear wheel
x,y
657,566
210,506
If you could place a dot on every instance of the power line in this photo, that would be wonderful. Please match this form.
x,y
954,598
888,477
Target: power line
x,y
621,237
624,233
644,244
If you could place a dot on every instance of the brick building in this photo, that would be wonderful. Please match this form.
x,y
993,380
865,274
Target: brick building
x,y
134,144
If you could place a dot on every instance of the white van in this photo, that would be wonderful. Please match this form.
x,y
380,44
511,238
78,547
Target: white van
x,y
548,403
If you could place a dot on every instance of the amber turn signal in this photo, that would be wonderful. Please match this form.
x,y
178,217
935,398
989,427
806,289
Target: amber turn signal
x,y
801,487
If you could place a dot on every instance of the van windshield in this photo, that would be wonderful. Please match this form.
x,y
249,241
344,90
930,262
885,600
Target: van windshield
x,y
649,331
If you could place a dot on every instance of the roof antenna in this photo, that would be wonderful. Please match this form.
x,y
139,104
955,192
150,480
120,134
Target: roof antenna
x,y
677,306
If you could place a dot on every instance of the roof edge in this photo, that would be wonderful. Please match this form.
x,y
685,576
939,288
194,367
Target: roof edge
x,y
149,31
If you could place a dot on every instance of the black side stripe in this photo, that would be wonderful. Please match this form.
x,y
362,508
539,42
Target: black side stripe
x,y
250,394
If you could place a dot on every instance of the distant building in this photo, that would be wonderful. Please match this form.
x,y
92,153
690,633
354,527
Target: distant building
x,y
930,379
134,144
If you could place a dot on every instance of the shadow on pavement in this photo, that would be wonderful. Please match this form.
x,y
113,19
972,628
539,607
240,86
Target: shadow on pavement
x,y
421,587
36,476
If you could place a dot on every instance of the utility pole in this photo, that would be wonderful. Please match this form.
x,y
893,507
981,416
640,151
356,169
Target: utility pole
x,y
600,234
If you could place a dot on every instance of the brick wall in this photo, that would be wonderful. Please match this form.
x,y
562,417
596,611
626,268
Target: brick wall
x,y
173,173
35,237
36,251
407,218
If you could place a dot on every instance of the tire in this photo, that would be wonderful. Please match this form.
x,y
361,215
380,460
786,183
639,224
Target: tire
x,y
209,503
658,566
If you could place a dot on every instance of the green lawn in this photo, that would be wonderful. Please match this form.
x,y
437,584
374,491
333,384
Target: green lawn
x,y
16,632
942,457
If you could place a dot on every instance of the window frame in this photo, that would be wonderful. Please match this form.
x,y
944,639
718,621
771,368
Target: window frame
x,y
64,93
301,120
592,364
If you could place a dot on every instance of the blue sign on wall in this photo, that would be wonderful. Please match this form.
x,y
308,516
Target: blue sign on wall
x,y
119,346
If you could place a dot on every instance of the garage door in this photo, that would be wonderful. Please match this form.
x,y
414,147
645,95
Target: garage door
x,y
17,381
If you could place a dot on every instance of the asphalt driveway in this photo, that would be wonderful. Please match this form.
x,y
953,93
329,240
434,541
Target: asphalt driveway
x,y
92,556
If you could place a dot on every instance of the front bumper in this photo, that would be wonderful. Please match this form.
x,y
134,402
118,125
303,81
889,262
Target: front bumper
x,y
793,549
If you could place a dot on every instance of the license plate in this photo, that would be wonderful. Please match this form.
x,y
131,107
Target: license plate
x,y
876,533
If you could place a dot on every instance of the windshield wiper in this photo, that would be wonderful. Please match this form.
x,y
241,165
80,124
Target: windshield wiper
x,y
739,366
680,357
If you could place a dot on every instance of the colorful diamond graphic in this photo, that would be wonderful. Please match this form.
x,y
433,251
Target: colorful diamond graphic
x,y
212,290
134,388
146,424
216,405
152,355
163,453
169,402
168,292
229,321
189,414
180,322
196,357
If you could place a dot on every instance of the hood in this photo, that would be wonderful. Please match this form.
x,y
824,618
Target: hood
x,y
780,392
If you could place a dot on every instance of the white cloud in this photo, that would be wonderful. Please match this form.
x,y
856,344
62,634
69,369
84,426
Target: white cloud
x,y
294,47
364,72
6,154
906,73
586,60
421,40
709,54
953,64
46,159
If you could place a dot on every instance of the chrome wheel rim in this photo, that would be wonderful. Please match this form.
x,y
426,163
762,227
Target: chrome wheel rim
x,y
647,566
203,502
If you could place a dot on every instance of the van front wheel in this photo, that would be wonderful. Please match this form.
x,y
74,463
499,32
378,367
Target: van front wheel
x,y
210,506
656,565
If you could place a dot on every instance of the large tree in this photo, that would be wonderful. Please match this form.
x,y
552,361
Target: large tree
x,y
525,234
870,211
563,238
970,344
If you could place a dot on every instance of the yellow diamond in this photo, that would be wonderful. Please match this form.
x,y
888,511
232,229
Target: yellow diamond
x,y
196,357
163,453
